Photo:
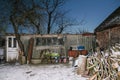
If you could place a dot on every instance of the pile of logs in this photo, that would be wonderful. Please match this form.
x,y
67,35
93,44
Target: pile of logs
x,y
104,65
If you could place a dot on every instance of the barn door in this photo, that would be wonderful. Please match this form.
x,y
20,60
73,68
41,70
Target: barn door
x,y
12,49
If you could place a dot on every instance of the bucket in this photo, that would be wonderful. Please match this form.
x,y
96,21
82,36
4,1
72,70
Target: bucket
x,y
60,61
71,60
64,60
56,60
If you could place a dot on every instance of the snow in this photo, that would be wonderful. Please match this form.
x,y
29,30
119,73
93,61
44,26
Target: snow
x,y
38,72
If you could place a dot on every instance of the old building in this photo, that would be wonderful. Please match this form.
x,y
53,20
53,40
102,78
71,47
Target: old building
x,y
54,43
108,32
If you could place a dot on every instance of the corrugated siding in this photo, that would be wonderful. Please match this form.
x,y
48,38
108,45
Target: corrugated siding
x,y
78,40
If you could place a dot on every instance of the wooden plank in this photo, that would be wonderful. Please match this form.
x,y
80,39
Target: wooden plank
x,y
30,49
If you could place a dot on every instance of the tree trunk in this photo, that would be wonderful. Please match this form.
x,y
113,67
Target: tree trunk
x,y
38,29
49,23
17,35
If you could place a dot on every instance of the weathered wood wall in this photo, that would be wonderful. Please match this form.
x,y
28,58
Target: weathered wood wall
x,y
79,40
108,37
69,40
57,43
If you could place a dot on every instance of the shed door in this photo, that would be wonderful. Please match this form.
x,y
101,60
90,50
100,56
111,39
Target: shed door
x,y
12,49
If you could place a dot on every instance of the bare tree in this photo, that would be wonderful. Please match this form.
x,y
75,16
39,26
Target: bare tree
x,y
14,18
32,14
51,8
3,27
81,29
64,23
23,15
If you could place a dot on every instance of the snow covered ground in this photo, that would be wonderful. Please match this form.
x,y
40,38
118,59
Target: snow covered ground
x,y
38,72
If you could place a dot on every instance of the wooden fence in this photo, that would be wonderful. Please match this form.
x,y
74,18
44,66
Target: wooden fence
x,y
78,40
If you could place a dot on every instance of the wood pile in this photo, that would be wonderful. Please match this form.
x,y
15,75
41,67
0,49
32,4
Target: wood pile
x,y
104,65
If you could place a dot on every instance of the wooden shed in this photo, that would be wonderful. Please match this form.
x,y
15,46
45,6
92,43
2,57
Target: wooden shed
x,y
108,32
57,43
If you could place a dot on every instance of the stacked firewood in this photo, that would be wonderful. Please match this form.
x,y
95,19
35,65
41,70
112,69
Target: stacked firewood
x,y
104,65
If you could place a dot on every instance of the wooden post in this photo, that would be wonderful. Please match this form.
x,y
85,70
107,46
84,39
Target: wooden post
x,y
30,49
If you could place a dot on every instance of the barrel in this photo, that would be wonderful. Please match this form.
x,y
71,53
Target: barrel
x,y
73,53
84,52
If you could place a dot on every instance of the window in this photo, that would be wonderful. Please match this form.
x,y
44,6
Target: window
x,y
61,42
46,41
49,41
14,42
38,41
9,42
54,41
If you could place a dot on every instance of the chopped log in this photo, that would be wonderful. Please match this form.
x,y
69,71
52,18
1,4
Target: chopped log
x,y
118,73
115,65
107,78
93,77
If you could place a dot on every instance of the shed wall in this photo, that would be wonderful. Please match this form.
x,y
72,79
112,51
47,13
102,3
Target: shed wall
x,y
108,37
